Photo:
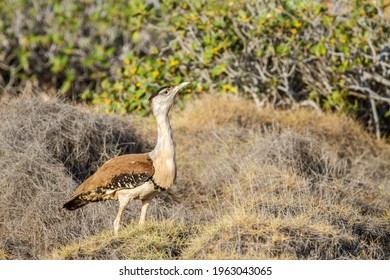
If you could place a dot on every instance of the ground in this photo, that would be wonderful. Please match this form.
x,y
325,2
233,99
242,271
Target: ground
x,y
252,183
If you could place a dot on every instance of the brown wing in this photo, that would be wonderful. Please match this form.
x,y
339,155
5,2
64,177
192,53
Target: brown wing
x,y
123,172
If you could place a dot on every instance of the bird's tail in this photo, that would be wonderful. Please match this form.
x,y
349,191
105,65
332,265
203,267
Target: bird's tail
x,y
75,203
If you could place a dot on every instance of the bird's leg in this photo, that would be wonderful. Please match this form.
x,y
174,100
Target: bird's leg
x,y
145,205
123,201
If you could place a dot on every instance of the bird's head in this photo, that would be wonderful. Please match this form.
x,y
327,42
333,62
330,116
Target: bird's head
x,y
163,98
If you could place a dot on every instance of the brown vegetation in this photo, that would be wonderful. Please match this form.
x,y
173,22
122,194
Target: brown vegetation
x,y
252,183
283,184
46,150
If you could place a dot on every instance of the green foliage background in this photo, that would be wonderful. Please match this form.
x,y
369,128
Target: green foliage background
x,y
115,53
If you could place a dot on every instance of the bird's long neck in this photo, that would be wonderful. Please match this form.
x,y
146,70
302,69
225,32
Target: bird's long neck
x,y
163,155
165,145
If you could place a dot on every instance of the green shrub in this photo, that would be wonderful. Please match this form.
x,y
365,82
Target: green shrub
x,y
114,54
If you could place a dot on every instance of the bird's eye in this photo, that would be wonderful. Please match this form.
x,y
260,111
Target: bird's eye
x,y
165,92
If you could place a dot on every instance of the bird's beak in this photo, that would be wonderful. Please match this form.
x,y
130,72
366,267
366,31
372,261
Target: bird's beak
x,y
179,87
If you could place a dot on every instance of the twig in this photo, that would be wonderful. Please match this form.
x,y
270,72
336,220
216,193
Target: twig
x,y
382,63
372,50
376,119
254,95
373,94
11,78
262,75
378,78
310,103
289,93
238,32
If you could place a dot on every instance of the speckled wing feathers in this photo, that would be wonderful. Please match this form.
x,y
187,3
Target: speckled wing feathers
x,y
123,172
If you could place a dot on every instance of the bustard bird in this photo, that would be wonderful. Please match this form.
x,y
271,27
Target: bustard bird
x,y
135,176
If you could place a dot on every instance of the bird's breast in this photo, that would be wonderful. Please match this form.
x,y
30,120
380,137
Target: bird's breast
x,y
164,171
145,191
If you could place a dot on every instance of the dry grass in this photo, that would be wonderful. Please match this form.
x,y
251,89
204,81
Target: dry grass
x,y
298,184
252,183
46,150
157,240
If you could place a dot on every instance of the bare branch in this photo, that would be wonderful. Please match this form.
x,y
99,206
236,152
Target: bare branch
x,y
373,94
239,34
378,78
376,119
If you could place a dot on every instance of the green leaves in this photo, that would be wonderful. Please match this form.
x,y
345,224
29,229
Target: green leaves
x,y
117,53
66,85
283,49
58,63
218,70
318,50
208,44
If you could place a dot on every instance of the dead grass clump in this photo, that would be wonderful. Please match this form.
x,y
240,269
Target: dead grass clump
x,y
46,150
341,133
280,191
245,236
3,254
153,240
68,135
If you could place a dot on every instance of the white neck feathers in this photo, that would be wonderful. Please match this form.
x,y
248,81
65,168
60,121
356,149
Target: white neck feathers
x,y
163,155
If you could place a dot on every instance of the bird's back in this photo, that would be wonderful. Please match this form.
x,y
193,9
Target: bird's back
x,y
123,172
